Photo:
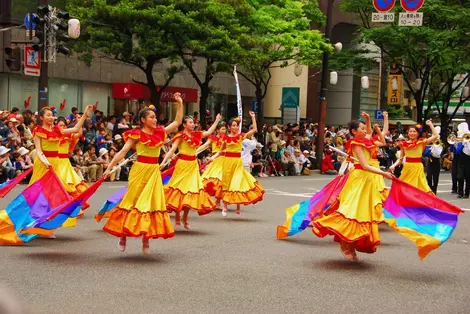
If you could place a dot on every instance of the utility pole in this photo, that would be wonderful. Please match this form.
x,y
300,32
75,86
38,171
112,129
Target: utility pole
x,y
324,88
43,82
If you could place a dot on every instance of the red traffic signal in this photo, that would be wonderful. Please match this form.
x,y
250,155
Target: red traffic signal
x,y
13,58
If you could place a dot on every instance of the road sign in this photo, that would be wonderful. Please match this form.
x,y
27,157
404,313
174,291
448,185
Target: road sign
x,y
411,5
384,5
290,97
379,114
32,62
254,106
27,21
410,19
383,17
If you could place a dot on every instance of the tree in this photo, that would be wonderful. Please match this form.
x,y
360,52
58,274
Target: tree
x,y
210,34
136,32
429,57
280,33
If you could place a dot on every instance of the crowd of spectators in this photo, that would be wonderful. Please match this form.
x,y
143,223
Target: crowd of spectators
x,y
276,150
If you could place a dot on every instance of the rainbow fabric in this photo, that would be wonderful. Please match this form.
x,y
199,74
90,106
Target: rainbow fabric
x,y
299,216
110,203
423,218
116,198
6,187
35,201
47,223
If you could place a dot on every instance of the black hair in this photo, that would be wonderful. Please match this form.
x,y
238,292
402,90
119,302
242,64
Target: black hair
x,y
221,125
62,119
237,120
353,125
42,112
16,155
28,121
144,113
15,109
74,109
186,118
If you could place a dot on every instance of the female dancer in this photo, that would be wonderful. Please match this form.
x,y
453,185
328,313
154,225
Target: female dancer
x,y
46,140
413,169
353,220
212,176
238,186
74,185
185,189
142,211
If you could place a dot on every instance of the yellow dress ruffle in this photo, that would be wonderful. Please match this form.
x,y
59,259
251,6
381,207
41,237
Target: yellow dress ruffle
x,y
212,176
238,186
185,188
142,211
49,143
355,216
413,172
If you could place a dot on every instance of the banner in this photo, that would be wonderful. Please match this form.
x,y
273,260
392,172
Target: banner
x,y
239,98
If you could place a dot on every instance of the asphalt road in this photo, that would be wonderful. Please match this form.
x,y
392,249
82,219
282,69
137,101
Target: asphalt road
x,y
236,265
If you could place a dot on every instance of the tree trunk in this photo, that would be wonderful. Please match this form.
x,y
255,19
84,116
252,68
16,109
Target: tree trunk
x,y
419,111
203,102
259,100
445,122
155,95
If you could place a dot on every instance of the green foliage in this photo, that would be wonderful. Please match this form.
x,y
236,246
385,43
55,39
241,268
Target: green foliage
x,y
435,52
280,33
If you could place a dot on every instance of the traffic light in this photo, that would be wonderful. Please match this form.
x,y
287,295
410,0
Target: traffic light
x,y
40,21
13,58
60,25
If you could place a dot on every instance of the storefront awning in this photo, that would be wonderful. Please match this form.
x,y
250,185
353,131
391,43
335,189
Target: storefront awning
x,y
139,91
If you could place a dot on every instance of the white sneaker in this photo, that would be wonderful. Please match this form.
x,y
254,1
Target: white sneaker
x,y
224,213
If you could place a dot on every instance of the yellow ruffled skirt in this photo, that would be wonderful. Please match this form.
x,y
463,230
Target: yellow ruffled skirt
x,y
40,169
238,186
142,211
186,190
356,215
380,180
212,176
413,174
72,182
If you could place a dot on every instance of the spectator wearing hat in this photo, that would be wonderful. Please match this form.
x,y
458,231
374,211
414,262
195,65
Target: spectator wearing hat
x,y
78,163
118,142
6,168
94,164
104,158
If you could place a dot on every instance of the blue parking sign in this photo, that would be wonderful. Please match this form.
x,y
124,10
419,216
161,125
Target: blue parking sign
x,y
27,21
379,114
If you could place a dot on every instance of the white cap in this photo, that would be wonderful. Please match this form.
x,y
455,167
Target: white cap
x,y
282,143
306,152
259,145
29,144
13,120
117,137
103,151
401,138
23,151
296,150
3,150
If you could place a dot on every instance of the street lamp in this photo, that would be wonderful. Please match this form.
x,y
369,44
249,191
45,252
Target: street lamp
x,y
324,86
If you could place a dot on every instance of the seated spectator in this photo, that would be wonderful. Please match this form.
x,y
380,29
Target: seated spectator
x,y
25,160
94,164
447,161
327,166
104,158
256,161
116,175
8,172
288,163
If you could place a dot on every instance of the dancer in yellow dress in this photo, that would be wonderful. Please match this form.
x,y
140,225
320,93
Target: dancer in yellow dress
x,y
74,185
354,218
212,176
46,140
142,211
185,190
413,169
238,186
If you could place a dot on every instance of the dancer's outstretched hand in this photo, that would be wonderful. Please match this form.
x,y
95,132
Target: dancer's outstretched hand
x,y
107,173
